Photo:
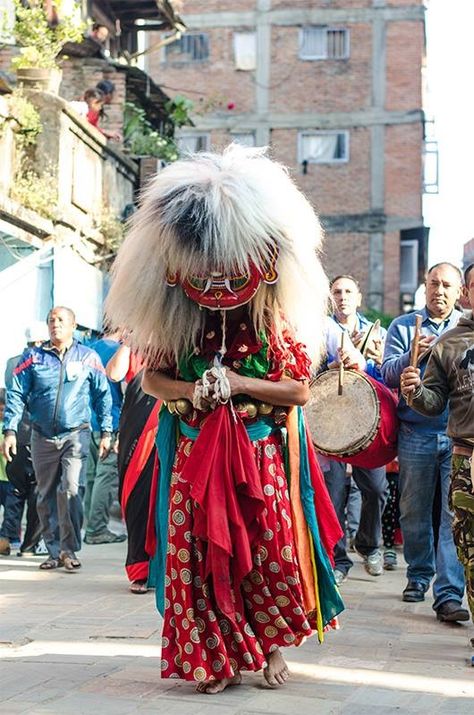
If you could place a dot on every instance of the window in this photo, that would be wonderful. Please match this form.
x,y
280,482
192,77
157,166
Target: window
x,y
323,147
191,143
245,50
189,48
244,138
324,43
408,266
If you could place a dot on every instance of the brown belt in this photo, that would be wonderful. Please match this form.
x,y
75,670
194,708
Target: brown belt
x,y
464,451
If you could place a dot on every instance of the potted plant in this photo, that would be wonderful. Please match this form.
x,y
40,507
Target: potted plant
x,y
41,40
142,139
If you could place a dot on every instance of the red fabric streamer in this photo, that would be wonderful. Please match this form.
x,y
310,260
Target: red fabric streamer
x,y
140,455
226,487
150,540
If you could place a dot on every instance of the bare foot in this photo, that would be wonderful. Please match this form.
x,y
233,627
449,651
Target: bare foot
x,y
276,672
212,687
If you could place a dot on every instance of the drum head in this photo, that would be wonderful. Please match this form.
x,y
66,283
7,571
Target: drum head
x,y
342,425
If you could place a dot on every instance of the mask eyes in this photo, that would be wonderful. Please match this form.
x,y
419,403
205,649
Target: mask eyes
x,y
239,282
200,283
197,282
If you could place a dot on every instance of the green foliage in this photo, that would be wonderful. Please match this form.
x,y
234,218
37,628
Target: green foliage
x,y
112,230
23,118
373,315
179,109
38,192
40,43
142,139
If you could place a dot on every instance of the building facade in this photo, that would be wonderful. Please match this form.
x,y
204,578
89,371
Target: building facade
x,y
335,88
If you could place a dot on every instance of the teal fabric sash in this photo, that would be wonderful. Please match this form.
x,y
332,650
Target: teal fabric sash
x,y
166,441
330,599
261,429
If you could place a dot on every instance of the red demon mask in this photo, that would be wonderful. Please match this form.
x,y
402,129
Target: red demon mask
x,y
218,291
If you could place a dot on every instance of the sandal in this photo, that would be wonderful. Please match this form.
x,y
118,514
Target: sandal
x,y
51,563
138,587
70,562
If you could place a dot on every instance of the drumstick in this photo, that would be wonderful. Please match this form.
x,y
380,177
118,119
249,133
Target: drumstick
x,y
341,368
415,349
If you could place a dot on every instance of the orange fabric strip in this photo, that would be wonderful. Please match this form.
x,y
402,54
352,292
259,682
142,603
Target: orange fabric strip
x,y
300,528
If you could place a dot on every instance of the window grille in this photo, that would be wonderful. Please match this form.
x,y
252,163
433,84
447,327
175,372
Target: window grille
x,y
324,43
189,48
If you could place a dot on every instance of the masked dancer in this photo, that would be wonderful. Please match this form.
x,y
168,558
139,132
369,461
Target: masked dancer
x,y
220,285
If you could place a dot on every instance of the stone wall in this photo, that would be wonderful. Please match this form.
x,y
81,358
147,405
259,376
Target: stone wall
x,y
90,174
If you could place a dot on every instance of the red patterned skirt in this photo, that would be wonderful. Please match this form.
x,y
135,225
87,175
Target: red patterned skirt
x,y
200,642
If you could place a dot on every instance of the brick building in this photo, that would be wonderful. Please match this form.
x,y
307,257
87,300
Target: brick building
x,y
335,87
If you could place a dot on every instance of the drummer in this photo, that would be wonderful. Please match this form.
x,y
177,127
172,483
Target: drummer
x,y
424,455
371,483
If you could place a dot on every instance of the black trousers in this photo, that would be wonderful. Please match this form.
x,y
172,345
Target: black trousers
x,y
21,476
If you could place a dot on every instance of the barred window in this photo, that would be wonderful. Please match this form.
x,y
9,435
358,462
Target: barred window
x,y
324,43
191,47
323,147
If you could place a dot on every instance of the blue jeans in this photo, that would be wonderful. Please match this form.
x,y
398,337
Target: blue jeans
x,y
424,459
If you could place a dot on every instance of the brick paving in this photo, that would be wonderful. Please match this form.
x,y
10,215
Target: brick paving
x,y
81,643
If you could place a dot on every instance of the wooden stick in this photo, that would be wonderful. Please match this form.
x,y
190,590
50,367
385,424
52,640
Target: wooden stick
x,y
341,368
415,349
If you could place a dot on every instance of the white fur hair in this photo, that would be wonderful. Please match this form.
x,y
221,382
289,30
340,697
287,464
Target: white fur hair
x,y
212,212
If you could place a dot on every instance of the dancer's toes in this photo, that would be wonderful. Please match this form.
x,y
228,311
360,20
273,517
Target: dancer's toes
x,y
276,673
212,687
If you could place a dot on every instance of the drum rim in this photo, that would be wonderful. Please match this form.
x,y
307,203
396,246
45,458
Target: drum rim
x,y
369,439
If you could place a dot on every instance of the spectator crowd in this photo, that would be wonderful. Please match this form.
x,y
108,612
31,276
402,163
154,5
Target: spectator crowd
x,y
73,446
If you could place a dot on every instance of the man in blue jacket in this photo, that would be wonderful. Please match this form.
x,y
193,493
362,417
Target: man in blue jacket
x,y
424,455
56,383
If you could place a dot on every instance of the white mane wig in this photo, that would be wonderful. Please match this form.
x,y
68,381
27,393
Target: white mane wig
x,y
211,212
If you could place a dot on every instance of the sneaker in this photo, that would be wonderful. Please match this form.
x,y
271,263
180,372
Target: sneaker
x,y
4,546
40,548
451,611
390,560
339,577
105,537
374,563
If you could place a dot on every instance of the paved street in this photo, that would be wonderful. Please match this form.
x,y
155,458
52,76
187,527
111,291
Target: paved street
x,y
81,643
